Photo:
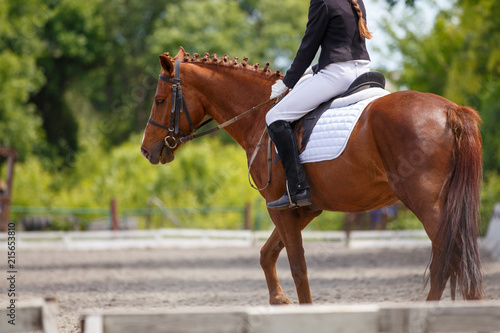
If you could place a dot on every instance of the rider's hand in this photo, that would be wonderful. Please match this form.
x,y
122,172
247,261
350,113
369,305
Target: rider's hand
x,y
278,89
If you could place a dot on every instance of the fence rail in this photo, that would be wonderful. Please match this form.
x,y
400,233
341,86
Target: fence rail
x,y
106,216
365,318
192,238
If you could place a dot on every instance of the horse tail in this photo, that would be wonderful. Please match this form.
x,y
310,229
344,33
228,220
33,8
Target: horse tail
x,y
459,227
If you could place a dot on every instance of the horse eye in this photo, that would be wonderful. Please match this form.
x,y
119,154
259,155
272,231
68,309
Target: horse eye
x,y
160,101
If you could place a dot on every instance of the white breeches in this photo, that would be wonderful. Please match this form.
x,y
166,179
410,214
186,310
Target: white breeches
x,y
329,82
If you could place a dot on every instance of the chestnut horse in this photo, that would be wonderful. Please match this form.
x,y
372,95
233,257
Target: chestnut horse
x,y
415,147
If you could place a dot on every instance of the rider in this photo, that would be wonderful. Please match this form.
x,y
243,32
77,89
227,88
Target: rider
x,y
339,27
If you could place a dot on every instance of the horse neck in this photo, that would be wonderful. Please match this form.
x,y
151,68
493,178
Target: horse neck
x,y
228,92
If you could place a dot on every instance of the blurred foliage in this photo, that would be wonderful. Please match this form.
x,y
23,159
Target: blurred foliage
x,y
410,3
98,175
259,29
489,197
404,220
72,36
20,125
58,55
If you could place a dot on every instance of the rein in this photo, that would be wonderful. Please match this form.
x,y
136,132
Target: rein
x,y
178,106
269,161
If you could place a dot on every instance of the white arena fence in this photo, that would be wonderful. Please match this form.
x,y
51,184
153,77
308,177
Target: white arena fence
x,y
196,238
492,240
425,317
364,318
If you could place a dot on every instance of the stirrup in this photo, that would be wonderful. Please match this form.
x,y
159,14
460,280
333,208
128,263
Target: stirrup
x,y
303,198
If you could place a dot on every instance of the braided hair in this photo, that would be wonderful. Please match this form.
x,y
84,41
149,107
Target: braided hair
x,y
363,29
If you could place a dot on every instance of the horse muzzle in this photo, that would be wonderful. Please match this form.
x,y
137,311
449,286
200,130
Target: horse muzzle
x,y
161,155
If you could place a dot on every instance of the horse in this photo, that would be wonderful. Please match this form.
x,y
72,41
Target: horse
x,y
419,148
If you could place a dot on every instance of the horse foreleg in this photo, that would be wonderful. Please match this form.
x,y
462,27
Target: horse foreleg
x,y
289,224
296,258
268,257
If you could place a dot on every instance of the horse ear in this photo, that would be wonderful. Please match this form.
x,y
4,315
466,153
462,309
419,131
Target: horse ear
x,y
166,63
180,55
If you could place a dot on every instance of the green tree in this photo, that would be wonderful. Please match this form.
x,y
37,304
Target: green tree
x,y
72,37
261,30
120,88
20,125
87,70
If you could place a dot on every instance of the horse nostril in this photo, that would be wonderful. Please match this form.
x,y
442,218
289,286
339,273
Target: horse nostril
x,y
144,153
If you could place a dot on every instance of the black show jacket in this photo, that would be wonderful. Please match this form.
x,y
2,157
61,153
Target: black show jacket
x,y
333,25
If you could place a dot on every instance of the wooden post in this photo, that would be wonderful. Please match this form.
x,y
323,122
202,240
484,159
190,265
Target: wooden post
x,y
149,214
248,216
114,215
6,193
347,228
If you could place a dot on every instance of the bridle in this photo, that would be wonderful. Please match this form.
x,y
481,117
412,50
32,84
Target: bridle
x,y
179,106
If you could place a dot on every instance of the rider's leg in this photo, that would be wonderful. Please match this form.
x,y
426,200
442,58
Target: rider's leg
x,y
297,193
330,81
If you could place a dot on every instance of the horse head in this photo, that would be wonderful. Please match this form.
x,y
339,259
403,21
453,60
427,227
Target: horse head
x,y
190,88
176,112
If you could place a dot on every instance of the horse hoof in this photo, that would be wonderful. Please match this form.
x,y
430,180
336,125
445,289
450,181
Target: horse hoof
x,y
280,300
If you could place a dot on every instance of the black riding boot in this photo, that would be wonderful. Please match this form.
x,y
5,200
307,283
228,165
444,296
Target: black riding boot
x,y
297,194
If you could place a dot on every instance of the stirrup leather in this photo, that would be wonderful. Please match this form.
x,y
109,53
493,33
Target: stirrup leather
x,y
289,196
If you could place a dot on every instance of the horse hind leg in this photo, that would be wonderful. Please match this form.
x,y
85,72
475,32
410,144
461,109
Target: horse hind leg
x,y
428,205
437,283
425,200
446,260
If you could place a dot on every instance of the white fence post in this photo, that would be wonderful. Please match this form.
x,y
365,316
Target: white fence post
x,y
33,315
492,239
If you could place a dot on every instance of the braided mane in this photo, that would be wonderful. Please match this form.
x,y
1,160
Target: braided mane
x,y
224,61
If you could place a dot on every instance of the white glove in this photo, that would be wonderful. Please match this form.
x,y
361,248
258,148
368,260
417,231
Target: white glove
x,y
278,89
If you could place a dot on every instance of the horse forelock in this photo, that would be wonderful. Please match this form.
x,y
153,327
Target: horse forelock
x,y
225,62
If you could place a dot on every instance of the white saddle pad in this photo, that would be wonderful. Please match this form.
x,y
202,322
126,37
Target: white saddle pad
x,y
332,131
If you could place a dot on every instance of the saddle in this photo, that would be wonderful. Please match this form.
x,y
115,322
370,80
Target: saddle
x,y
304,126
